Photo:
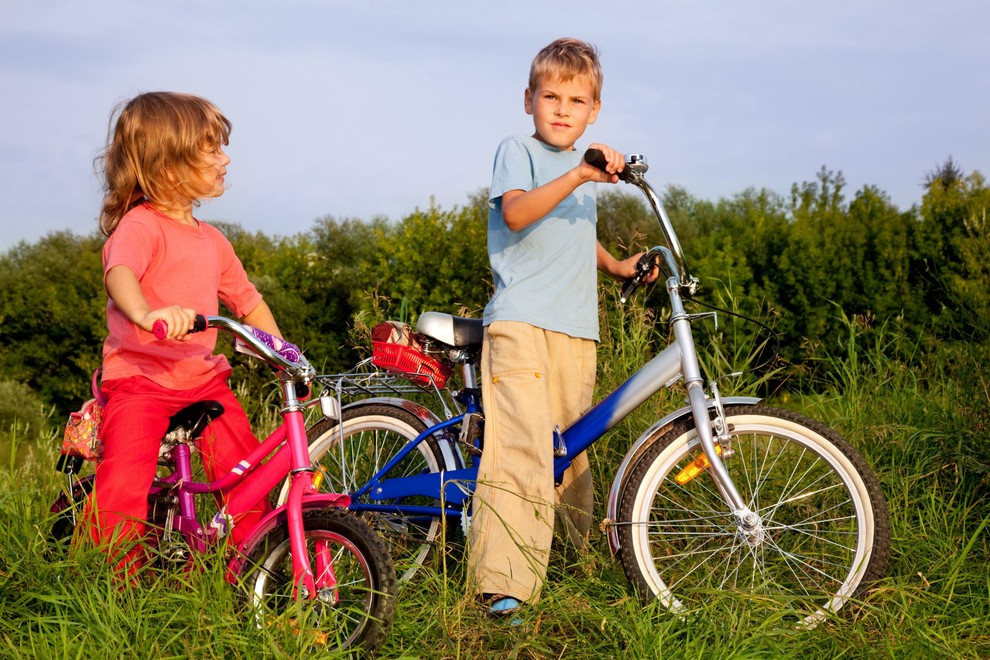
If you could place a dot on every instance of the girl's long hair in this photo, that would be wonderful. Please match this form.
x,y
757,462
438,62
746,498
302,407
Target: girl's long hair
x,y
156,146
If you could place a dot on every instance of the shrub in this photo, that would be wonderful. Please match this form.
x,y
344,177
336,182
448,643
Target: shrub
x,y
22,409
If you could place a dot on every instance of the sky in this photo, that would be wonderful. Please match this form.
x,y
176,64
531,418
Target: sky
x,y
368,108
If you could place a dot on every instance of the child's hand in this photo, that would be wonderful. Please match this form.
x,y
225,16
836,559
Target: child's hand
x,y
626,269
615,163
178,321
652,275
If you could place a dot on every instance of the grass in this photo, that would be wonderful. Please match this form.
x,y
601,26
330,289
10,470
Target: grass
x,y
921,424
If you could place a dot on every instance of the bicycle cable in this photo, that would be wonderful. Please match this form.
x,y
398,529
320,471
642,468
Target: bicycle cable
x,y
772,336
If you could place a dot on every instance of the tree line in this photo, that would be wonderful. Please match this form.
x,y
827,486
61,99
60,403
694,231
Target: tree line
x,y
805,263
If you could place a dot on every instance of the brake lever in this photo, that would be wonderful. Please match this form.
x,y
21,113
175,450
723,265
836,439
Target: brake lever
x,y
647,262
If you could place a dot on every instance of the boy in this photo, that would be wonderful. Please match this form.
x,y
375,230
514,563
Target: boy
x,y
541,325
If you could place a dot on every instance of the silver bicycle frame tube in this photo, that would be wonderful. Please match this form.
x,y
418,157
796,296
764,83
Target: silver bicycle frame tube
x,y
698,400
660,372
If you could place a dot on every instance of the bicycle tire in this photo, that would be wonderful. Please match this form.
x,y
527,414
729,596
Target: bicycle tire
x,y
66,508
349,453
357,613
826,530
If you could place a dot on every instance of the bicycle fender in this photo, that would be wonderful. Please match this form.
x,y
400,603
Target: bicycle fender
x,y
451,458
276,518
612,508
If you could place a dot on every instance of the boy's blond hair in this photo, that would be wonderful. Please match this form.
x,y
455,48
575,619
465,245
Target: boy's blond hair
x,y
158,142
565,59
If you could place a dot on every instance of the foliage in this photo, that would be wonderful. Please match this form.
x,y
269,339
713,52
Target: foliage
x,y
20,406
52,318
799,264
437,260
955,252
23,420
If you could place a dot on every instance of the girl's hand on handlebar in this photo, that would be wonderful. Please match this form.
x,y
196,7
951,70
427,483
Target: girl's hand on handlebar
x,y
615,162
172,323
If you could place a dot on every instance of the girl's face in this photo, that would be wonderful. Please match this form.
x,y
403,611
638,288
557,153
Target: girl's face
x,y
562,110
212,174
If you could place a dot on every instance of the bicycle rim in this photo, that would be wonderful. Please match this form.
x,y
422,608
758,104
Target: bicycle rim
x,y
824,531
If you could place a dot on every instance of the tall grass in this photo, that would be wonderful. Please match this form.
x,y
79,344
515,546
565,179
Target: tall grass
x,y
920,417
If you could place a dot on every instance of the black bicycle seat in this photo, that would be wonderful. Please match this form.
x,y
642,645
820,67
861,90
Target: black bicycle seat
x,y
195,417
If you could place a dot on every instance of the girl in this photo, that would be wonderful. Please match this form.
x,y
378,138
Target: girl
x,y
164,154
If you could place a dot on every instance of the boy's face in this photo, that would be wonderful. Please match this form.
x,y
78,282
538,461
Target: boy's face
x,y
562,110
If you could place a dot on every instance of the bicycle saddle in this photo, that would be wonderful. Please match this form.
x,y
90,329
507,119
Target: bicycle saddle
x,y
455,331
194,418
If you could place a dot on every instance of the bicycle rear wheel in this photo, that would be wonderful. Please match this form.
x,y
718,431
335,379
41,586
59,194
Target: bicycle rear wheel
x,y
349,453
67,509
356,613
825,533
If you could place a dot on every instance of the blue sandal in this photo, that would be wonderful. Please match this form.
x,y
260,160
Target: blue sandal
x,y
504,605
501,606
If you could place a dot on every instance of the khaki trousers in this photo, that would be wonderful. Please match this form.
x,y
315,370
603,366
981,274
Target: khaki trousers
x,y
532,380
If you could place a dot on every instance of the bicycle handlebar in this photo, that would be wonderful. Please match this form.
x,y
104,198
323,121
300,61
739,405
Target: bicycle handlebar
x,y
160,328
633,173
273,350
596,158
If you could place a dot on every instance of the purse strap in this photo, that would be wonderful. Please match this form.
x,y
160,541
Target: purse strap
x,y
97,392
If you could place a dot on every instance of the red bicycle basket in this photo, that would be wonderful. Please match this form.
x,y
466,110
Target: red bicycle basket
x,y
419,368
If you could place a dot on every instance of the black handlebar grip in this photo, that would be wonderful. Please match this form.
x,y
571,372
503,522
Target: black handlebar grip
x,y
596,158
160,329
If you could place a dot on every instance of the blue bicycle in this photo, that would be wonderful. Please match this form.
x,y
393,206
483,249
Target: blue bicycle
x,y
722,494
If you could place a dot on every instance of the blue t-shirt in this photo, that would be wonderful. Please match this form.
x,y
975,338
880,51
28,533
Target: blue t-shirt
x,y
546,274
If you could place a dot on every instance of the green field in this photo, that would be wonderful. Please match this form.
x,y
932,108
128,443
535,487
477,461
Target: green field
x,y
924,429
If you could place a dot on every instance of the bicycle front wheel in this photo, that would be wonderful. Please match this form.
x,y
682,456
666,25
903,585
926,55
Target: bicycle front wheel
x,y
357,612
824,536
347,454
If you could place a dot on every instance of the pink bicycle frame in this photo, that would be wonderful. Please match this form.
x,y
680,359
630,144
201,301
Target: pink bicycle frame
x,y
257,479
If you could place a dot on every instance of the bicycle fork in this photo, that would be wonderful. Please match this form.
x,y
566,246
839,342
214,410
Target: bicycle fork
x,y
750,523
310,579
314,579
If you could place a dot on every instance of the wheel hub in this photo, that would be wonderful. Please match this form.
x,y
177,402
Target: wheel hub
x,y
750,529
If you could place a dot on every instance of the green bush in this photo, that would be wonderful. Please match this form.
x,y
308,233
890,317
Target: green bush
x,y
22,413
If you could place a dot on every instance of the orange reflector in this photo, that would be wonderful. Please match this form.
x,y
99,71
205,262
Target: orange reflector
x,y
696,467
318,478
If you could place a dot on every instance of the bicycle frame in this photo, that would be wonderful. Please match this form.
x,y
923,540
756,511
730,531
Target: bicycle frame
x,y
259,477
677,361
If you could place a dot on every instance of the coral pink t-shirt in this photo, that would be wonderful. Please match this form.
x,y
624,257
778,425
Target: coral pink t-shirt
x,y
176,264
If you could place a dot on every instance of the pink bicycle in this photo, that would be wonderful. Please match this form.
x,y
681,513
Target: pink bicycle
x,y
310,549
